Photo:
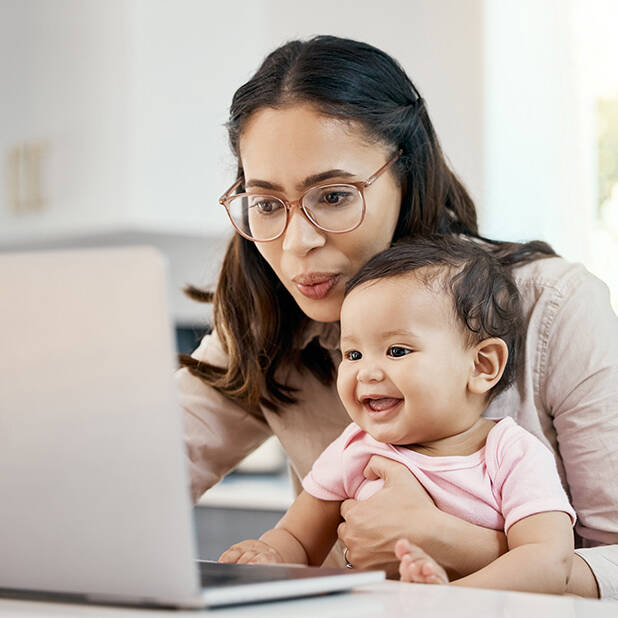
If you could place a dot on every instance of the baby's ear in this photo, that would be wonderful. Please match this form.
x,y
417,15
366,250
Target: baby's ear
x,y
490,356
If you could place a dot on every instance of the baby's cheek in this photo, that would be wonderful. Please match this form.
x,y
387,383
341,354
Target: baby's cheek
x,y
343,386
368,488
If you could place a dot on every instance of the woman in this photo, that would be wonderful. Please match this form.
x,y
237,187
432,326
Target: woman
x,y
337,158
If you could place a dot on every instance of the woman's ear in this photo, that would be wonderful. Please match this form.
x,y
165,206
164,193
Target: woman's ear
x,y
490,356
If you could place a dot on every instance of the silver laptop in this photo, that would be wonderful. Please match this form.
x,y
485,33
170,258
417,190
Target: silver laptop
x,y
94,499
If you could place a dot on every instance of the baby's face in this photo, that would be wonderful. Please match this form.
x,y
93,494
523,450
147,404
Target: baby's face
x,y
405,368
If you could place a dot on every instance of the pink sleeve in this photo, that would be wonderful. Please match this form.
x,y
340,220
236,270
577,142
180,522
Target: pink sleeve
x,y
326,478
527,479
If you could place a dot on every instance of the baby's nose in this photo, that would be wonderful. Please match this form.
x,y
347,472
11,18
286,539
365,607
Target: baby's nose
x,y
370,373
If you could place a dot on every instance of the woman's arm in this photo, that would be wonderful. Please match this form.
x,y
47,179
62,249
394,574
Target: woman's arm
x,y
539,557
218,433
578,385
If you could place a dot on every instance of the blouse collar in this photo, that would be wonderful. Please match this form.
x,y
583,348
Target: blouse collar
x,y
326,332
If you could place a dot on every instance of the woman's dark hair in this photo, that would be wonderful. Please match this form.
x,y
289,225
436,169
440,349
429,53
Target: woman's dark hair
x,y
486,302
255,317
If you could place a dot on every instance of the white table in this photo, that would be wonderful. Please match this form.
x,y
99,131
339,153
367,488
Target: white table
x,y
385,600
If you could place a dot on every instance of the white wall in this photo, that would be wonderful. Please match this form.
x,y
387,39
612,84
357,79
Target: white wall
x,y
64,73
187,60
190,56
537,163
438,43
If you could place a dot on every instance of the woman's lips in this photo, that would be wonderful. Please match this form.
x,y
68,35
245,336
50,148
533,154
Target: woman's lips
x,y
316,287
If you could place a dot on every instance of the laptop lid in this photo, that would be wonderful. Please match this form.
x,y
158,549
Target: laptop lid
x,y
93,481
93,476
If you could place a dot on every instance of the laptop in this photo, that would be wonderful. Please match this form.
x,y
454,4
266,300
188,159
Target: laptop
x,y
94,487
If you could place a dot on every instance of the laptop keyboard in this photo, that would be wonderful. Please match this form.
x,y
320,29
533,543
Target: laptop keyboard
x,y
221,574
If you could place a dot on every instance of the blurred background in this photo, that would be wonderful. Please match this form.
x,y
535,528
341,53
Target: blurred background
x,y
111,132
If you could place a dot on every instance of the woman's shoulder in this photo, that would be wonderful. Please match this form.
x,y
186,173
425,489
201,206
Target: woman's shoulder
x,y
571,326
556,280
210,350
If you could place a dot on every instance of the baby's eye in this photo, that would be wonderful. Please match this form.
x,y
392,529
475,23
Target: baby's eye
x,y
397,351
353,355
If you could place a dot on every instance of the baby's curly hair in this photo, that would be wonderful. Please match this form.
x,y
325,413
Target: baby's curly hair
x,y
486,302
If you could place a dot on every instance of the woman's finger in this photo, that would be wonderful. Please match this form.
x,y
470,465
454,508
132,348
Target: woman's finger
x,y
346,507
342,530
395,474
384,468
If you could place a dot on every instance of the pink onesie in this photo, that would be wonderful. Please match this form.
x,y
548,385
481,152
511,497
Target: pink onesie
x,y
513,476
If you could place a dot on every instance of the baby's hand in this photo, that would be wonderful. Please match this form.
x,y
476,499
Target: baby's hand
x,y
251,551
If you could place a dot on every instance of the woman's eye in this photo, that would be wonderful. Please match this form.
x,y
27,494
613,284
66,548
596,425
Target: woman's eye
x,y
334,198
266,206
397,351
353,355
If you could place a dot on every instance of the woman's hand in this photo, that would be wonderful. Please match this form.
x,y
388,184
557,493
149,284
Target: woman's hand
x,y
250,552
403,509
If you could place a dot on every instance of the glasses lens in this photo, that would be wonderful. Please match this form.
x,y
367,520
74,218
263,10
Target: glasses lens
x,y
336,208
261,217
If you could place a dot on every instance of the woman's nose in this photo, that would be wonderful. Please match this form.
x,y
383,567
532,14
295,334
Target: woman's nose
x,y
301,236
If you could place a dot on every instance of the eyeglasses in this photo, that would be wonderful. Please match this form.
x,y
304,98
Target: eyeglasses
x,y
336,208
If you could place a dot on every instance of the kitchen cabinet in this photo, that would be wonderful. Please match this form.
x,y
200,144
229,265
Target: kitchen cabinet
x,y
112,117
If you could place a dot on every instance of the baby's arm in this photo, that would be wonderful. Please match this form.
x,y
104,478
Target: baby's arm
x,y
539,557
304,535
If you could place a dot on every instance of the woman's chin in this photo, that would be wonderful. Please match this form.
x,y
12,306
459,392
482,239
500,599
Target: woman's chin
x,y
324,310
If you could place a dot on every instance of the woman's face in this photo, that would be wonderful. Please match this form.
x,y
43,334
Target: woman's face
x,y
282,148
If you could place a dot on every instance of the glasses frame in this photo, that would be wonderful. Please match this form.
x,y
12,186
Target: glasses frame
x,y
360,186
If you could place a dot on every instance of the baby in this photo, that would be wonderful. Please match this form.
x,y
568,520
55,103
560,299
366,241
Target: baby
x,y
431,332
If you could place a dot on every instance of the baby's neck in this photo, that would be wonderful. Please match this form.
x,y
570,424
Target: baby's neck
x,y
464,443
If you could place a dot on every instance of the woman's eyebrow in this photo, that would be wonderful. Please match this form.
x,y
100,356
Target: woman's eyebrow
x,y
308,182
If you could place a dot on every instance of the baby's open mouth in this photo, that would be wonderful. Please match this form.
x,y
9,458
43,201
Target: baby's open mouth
x,y
384,403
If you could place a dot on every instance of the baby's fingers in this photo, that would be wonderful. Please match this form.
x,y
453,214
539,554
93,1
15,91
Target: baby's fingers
x,y
234,553
265,558
250,552
247,557
230,555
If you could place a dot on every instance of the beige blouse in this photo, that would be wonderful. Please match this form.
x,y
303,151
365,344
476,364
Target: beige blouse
x,y
567,396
